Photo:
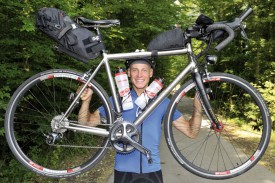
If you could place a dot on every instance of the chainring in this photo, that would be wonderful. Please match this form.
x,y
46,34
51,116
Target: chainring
x,y
120,134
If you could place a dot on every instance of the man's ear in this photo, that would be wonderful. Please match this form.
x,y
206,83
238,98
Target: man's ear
x,y
128,72
151,72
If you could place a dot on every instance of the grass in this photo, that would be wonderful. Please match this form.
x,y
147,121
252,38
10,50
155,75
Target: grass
x,y
268,158
98,174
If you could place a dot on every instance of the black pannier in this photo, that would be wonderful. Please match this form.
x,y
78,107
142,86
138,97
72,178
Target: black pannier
x,y
169,40
74,40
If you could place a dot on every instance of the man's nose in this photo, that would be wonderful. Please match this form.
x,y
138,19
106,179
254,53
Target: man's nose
x,y
139,74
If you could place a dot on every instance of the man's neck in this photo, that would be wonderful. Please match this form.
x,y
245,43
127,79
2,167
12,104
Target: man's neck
x,y
138,91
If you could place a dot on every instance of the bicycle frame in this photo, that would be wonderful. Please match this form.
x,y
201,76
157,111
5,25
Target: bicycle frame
x,y
191,67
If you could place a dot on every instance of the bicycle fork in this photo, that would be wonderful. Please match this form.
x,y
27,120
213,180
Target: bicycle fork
x,y
215,123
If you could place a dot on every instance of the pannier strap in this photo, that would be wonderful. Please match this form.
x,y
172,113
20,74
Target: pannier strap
x,y
154,54
66,29
97,22
57,26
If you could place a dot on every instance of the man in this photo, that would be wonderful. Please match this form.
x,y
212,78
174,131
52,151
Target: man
x,y
134,166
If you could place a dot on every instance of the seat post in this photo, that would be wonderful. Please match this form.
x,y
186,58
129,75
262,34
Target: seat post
x,y
99,34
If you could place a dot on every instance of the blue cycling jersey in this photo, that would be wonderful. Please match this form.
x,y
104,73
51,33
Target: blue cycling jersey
x,y
150,132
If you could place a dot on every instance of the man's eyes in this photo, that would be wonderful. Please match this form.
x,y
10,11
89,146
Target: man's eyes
x,y
144,70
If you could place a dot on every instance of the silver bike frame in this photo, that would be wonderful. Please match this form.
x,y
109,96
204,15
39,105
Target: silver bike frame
x,y
119,56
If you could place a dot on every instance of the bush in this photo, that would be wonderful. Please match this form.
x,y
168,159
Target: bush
x,y
268,93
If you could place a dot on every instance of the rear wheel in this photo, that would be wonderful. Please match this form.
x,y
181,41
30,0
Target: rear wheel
x,y
32,119
242,142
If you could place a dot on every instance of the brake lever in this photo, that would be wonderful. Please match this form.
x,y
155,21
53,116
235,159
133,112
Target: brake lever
x,y
242,27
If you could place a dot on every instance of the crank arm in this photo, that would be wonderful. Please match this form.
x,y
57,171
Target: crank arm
x,y
140,148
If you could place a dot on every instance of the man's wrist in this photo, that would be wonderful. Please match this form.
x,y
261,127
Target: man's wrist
x,y
197,112
87,101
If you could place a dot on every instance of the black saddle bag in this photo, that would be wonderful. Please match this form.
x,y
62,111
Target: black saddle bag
x,y
74,40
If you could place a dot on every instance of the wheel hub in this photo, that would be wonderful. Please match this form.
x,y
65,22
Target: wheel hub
x,y
57,125
215,127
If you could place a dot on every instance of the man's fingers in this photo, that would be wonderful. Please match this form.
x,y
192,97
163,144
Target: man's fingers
x,y
79,88
87,94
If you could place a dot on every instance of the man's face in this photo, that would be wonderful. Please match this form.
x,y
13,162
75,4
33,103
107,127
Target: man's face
x,y
140,75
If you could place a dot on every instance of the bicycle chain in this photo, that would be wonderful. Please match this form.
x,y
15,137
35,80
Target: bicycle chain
x,y
74,146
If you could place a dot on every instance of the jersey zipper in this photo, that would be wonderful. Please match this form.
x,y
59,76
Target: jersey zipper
x,y
140,152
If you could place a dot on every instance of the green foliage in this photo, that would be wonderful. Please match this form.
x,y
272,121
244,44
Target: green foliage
x,y
267,90
25,51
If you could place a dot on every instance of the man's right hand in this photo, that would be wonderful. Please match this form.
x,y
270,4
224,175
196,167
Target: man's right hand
x,y
85,117
87,93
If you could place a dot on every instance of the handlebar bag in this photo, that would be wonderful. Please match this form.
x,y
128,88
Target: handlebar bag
x,y
74,40
168,40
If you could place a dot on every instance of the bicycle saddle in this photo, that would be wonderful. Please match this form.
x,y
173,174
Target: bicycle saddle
x,y
85,21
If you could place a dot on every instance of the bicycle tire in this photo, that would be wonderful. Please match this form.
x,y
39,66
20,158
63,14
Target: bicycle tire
x,y
29,117
244,139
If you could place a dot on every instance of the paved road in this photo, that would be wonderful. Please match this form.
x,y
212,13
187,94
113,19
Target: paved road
x,y
174,173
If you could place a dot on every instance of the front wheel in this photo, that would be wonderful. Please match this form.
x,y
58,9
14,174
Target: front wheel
x,y
242,142
32,119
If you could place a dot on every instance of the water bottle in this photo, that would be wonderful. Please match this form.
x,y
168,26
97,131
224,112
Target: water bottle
x,y
122,83
150,92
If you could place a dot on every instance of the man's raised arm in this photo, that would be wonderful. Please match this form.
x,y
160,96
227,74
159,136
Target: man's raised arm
x,y
85,117
191,128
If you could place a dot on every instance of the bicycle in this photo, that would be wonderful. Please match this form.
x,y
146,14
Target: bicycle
x,y
42,114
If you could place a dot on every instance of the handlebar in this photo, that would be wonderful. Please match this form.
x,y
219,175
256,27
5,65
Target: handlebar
x,y
246,14
228,27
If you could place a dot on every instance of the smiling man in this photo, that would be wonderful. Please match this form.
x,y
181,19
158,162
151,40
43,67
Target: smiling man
x,y
134,166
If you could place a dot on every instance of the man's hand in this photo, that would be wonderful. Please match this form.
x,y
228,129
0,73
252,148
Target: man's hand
x,y
84,115
191,127
86,95
197,105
